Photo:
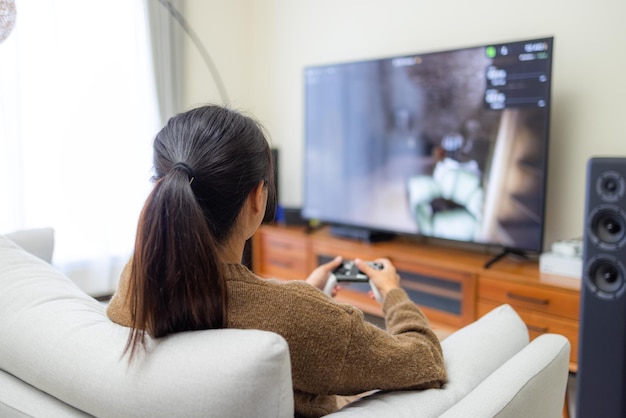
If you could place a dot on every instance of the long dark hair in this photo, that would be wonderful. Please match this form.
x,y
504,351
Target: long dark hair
x,y
206,162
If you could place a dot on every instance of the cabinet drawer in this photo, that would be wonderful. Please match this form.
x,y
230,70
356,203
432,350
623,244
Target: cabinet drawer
x,y
284,268
537,299
539,324
286,245
283,257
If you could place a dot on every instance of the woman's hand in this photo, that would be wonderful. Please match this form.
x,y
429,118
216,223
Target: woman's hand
x,y
320,275
385,279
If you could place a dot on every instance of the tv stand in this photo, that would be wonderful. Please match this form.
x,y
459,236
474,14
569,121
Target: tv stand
x,y
361,234
504,253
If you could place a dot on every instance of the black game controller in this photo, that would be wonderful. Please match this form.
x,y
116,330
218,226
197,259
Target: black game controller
x,y
349,272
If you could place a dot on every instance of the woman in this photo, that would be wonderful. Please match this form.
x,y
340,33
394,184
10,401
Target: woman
x,y
213,182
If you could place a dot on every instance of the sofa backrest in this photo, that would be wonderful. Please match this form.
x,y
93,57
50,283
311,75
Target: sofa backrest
x,y
56,339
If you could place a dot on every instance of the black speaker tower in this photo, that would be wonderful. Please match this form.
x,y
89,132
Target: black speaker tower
x,y
601,377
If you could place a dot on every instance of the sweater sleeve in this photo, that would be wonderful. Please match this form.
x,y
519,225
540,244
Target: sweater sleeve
x,y
407,355
118,309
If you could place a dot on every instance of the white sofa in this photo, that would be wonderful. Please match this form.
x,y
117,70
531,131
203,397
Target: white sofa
x,y
61,357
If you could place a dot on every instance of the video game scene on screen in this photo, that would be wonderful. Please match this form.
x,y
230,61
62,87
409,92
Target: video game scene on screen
x,y
449,144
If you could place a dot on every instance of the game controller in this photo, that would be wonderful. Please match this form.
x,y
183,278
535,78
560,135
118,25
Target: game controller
x,y
349,272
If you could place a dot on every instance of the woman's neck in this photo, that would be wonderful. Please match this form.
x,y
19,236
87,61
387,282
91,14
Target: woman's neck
x,y
232,251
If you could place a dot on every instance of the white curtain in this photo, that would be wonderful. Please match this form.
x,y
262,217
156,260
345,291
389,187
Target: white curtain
x,y
167,41
78,112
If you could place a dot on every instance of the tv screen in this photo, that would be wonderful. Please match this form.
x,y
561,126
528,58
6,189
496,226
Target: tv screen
x,y
450,144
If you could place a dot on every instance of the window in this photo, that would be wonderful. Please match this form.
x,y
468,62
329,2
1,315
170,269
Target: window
x,y
78,113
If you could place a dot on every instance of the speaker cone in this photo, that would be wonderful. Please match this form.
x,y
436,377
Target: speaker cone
x,y
605,276
610,186
608,227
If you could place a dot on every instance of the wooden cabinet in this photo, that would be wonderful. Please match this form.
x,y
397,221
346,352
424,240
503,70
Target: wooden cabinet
x,y
281,253
451,285
547,304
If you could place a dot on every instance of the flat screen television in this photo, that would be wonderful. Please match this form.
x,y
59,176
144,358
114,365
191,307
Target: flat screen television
x,y
450,144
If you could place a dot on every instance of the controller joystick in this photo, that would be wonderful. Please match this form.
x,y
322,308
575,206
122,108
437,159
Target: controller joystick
x,y
348,272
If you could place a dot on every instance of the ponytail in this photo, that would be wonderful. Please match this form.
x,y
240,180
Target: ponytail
x,y
177,281
207,161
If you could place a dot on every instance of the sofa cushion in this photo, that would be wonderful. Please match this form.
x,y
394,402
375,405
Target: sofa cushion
x,y
58,339
470,354
21,400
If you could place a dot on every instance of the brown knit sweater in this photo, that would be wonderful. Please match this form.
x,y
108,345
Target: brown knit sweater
x,y
334,351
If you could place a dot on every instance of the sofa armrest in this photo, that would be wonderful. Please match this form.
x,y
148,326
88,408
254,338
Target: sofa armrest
x,y
39,242
531,384
471,354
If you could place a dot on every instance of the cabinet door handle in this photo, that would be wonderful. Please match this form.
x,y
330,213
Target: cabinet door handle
x,y
280,245
541,330
284,264
529,299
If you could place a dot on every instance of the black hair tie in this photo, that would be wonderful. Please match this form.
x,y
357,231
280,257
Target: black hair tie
x,y
187,170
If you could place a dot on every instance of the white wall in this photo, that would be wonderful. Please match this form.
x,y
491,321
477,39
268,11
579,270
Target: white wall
x,y
261,47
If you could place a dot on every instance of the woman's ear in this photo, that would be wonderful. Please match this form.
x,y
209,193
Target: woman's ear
x,y
259,198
